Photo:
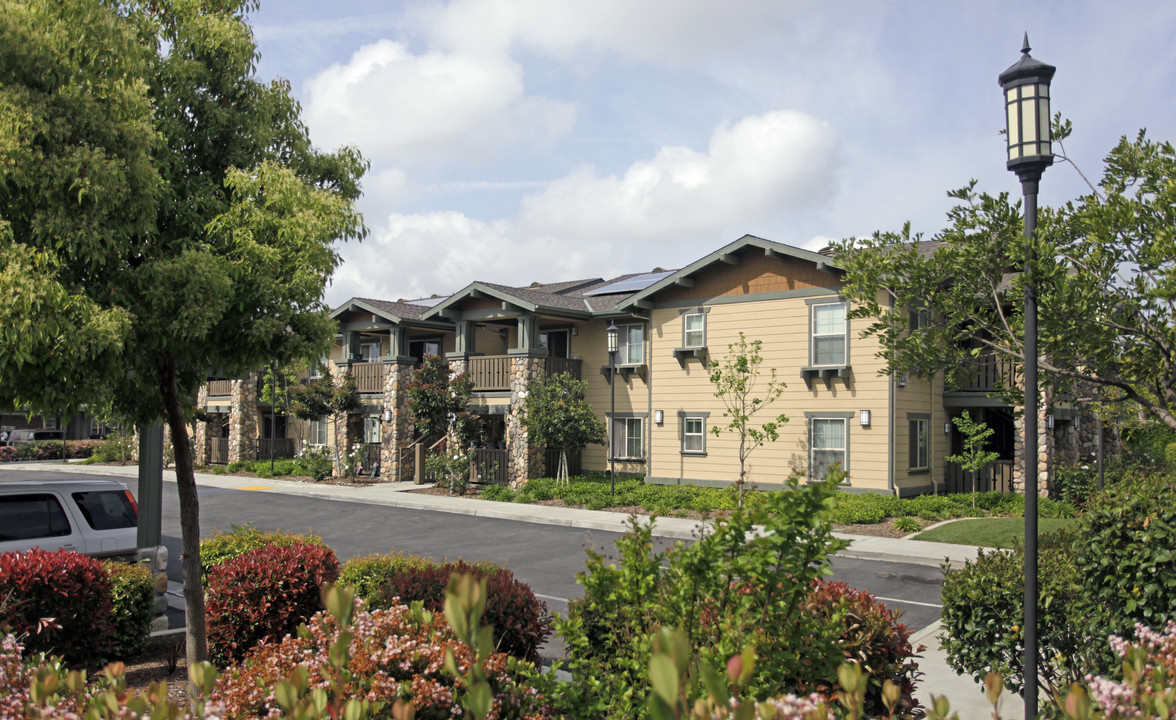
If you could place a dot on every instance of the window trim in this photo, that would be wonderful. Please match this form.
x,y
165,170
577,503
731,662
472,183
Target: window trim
x,y
812,333
683,417
845,418
325,432
612,419
701,312
623,344
913,420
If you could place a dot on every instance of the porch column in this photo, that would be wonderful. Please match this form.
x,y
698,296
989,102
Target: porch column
x,y
1044,449
524,460
243,430
201,448
395,427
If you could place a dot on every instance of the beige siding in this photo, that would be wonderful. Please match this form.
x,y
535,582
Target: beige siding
x,y
632,396
920,397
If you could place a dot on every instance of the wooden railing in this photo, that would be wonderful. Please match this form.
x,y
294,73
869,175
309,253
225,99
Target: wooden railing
x,y
492,372
491,466
283,447
369,376
220,387
991,373
219,448
997,477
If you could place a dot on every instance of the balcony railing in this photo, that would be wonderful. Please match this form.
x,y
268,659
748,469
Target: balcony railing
x,y
220,387
991,373
490,373
369,376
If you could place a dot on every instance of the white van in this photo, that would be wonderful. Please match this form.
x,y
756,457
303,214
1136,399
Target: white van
x,y
95,517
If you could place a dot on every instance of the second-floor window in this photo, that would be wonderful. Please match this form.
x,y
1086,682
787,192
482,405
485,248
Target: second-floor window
x,y
631,345
828,334
694,330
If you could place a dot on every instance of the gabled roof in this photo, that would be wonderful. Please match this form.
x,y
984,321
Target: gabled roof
x,y
395,312
719,256
527,299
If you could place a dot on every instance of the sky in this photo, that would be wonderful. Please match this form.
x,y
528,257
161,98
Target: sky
x,y
516,141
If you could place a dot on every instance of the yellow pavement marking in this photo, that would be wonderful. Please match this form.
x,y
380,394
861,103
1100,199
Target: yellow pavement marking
x,y
256,487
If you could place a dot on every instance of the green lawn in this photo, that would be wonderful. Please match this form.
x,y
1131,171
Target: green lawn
x,y
998,532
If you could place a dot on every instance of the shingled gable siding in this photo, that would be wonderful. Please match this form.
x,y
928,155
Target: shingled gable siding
x,y
755,273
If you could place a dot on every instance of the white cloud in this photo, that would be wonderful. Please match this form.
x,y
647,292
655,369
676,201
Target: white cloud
x,y
764,164
434,108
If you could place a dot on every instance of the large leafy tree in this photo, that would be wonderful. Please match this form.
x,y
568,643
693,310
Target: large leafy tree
x,y
556,415
1105,273
162,213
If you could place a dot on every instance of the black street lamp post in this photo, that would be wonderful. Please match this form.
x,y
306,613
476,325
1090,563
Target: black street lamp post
x,y
612,333
1026,90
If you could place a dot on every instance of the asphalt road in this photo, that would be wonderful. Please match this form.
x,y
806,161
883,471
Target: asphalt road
x,y
546,557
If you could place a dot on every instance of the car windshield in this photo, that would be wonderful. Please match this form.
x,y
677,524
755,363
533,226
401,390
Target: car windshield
x,y
106,509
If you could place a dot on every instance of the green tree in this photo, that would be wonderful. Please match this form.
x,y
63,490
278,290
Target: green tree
x,y
735,381
556,415
162,213
974,457
1104,276
436,401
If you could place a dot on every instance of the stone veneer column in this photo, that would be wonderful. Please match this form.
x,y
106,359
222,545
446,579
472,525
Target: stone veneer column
x,y
1044,450
396,435
201,448
524,461
243,431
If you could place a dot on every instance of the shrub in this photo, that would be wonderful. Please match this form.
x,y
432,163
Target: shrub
x,y
395,654
983,614
1148,444
1143,687
264,594
223,547
907,525
115,448
452,470
520,620
367,574
500,493
872,635
132,594
58,602
316,461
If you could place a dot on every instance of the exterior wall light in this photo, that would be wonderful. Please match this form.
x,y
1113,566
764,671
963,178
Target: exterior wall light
x,y
865,418
659,416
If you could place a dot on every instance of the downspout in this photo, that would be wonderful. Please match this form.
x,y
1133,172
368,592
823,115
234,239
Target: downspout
x,y
649,403
890,426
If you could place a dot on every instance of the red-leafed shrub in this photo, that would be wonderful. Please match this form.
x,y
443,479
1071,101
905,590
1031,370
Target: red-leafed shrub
x,y
9,454
520,620
395,654
263,595
57,602
872,635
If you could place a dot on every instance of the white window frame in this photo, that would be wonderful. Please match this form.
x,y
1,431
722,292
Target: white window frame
x,y
625,431
371,429
919,449
814,419
625,348
317,369
365,353
685,420
814,336
700,330
319,432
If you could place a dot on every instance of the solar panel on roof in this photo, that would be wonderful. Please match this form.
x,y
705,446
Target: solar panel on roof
x,y
426,302
630,285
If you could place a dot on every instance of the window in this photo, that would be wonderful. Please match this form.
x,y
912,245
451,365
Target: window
x,y
316,371
420,348
631,345
628,435
369,352
920,442
318,432
918,318
694,330
828,445
555,342
693,433
828,339
371,429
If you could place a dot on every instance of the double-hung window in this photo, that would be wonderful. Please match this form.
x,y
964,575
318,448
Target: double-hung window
x,y
829,444
693,433
631,345
828,334
318,432
920,442
628,438
694,330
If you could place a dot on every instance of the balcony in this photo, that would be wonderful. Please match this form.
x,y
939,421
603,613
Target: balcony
x,y
990,374
219,388
369,376
491,373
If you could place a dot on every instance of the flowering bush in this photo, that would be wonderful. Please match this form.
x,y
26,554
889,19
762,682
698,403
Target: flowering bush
x,y
317,461
520,620
57,602
394,654
452,470
48,450
354,459
1149,673
264,594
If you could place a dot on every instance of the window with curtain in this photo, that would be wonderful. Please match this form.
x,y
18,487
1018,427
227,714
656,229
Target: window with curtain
x,y
694,330
318,432
828,445
628,434
631,345
828,334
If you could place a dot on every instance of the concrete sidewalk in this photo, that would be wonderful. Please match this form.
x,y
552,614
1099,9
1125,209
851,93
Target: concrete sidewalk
x,y
967,697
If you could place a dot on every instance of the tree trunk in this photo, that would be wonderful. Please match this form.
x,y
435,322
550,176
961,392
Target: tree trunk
x,y
197,640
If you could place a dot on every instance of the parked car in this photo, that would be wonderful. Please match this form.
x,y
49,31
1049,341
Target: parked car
x,y
95,517
26,436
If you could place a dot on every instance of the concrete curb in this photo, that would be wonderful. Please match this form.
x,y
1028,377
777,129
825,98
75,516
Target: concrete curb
x,y
397,495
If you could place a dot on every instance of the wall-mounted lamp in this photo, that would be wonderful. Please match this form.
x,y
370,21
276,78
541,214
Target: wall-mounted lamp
x,y
947,428
659,416
1049,421
865,418
901,382
575,331
387,415
1077,422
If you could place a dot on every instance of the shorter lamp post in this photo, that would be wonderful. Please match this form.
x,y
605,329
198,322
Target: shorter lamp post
x,y
612,334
